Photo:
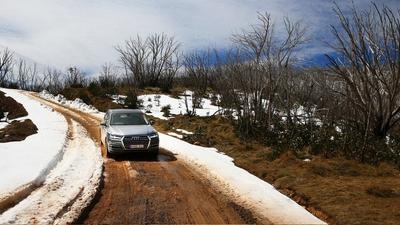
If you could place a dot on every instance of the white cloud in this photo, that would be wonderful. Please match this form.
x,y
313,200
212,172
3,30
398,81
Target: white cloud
x,y
84,33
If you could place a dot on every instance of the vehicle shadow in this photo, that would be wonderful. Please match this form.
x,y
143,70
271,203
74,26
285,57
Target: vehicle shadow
x,y
163,156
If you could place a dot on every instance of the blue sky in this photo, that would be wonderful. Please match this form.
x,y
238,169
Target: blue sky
x,y
84,33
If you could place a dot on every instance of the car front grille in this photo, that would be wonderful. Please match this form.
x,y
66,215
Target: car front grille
x,y
136,140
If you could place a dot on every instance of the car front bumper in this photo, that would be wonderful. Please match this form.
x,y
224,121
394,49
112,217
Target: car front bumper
x,y
124,146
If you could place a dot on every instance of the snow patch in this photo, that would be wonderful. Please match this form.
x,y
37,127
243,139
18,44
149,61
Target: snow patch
x,y
29,161
173,134
184,131
153,103
68,189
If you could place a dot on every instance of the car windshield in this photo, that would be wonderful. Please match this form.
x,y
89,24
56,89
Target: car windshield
x,y
128,118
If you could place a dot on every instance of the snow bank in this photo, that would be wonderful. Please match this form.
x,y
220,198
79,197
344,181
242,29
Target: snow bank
x,y
68,189
75,104
30,160
184,131
238,183
155,102
173,134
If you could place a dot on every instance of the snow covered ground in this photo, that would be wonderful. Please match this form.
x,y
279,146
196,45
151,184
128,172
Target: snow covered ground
x,y
75,104
184,131
236,182
30,160
173,134
68,189
155,102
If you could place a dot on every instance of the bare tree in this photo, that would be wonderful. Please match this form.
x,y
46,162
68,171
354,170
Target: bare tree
x,y
172,66
133,57
198,68
152,60
75,78
6,64
257,67
162,51
54,80
27,76
23,75
368,62
108,76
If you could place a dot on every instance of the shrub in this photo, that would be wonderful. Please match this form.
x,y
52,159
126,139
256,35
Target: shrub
x,y
214,100
85,97
166,110
95,89
132,100
157,100
148,108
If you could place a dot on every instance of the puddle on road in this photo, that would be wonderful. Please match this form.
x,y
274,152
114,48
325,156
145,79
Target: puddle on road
x,y
165,157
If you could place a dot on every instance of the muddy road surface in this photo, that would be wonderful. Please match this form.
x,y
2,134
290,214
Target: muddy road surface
x,y
142,190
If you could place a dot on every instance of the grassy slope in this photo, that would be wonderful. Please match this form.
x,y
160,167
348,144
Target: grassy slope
x,y
337,190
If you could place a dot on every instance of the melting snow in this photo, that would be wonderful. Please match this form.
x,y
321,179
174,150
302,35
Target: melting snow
x,y
30,160
153,104
73,183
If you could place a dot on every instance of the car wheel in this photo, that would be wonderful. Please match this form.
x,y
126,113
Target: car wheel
x,y
154,154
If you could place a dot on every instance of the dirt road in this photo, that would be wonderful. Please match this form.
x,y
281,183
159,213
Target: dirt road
x,y
141,190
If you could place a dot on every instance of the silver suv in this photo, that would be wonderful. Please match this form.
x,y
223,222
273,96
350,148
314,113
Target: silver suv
x,y
127,131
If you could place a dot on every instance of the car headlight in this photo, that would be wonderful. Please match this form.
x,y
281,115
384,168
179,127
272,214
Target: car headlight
x,y
153,135
113,137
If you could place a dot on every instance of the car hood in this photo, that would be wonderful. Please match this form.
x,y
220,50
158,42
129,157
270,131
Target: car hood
x,y
130,129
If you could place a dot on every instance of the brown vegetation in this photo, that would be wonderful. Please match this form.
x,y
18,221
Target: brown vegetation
x,y
8,104
337,190
17,131
101,102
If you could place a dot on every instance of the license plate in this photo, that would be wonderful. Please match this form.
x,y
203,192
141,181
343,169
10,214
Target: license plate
x,y
136,146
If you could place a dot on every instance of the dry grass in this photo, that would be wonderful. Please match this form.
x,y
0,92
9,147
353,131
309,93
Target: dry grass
x,y
101,103
17,131
337,190
15,109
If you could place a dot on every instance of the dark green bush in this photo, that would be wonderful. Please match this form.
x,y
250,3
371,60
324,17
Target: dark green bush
x,y
166,110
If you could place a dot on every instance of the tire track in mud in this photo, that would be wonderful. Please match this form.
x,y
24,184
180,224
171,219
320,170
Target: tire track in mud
x,y
142,190
67,189
24,191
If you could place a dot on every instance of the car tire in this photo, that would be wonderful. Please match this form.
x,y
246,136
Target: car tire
x,y
154,154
